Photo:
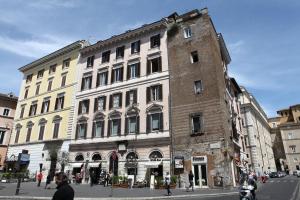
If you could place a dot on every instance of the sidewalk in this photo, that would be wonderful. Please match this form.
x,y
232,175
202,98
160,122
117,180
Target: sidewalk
x,y
85,192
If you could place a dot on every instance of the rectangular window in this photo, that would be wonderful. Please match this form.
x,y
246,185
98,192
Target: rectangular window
x,y
59,103
197,126
29,129
154,122
63,80
131,97
133,71
41,132
115,127
154,93
66,63
90,61
32,110
45,106
198,88
102,78
187,32
40,73
105,56
29,78
2,134
26,93
98,129
290,136
81,130
155,41
115,101
132,125
154,65
17,136
37,89
293,148
117,75
6,112
135,47
84,106
22,111
49,85
52,69
56,130
100,103
86,82
194,57
120,52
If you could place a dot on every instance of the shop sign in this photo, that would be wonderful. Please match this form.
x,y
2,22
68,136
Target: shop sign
x,y
178,162
199,159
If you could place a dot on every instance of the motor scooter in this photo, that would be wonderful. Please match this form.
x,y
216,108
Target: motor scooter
x,y
246,192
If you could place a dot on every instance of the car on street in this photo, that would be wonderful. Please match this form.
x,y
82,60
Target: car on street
x,y
273,175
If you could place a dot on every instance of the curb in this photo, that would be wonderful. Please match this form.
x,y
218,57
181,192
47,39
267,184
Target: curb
x,y
122,198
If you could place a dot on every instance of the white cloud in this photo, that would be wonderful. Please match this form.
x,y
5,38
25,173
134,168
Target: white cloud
x,y
33,48
236,47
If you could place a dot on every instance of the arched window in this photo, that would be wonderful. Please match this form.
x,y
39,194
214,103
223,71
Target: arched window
x,y
96,157
155,156
131,156
79,158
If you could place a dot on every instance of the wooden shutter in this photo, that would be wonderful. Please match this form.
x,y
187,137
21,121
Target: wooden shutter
x,y
161,122
108,128
85,130
148,67
106,77
121,73
119,127
159,64
42,110
127,98
90,82
87,106
76,133
135,96
160,92
80,108
128,72
148,91
148,126
93,130
98,80
82,84
62,102
48,106
120,100
110,101
56,103
138,66
138,45
96,104
132,46
138,125
112,76
102,130
104,102
126,126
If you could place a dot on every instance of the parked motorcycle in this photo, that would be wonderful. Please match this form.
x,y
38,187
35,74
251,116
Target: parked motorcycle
x,y
246,192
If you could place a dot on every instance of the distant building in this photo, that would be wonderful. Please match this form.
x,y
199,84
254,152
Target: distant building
x,y
258,134
44,115
286,130
8,104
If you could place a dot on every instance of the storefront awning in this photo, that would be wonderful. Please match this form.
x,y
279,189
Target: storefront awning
x,y
94,165
152,164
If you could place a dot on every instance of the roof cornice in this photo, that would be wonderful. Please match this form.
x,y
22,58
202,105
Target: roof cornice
x,y
62,51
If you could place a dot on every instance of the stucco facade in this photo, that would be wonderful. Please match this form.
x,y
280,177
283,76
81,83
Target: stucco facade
x,y
44,115
8,104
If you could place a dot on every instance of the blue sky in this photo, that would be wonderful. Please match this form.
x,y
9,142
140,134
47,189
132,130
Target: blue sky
x,y
262,36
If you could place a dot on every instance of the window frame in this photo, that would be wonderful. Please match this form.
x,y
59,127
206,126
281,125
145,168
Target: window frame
x,y
195,87
105,57
193,58
155,41
201,124
187,32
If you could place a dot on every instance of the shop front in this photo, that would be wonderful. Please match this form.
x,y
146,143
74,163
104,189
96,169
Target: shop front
x,y
199,169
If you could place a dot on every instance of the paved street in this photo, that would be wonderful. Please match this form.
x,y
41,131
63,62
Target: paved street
x,y
275,189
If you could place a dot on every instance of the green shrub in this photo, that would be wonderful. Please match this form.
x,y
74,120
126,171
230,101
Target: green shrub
x,y
115,179
159,180
173,179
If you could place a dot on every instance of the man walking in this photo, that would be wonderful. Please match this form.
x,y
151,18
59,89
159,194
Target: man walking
x,y
64,190
39,179
191,181
167,183
48,180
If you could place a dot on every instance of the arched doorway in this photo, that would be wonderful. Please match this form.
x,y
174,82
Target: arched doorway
x,y
113,165
156,156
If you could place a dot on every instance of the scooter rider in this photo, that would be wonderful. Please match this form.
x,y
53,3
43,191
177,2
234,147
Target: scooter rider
x,y
251,181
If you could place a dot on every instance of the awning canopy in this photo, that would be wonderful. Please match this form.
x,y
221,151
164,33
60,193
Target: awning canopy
x,y
153,164
94,165
76,165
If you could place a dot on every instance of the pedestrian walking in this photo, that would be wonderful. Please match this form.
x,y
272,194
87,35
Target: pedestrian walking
x,y
39,179
191,181
167,183
64,190
48,180
107,178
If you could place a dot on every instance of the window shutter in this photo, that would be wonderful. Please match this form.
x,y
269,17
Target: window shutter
x,y
106,77
108,128
80,108
132,46
77,129
119,127
159,64
98,80
120,100
102,130
126,126
160,92
48,106
85,130
90,82
138,125
96,105
62,102
138,69
82,84
87,106
30,110
104,103
135,96
93,130
110,101
112,76
138,45
43,104
92,61
148,66
148,124
56,103
148,94
161,122
127,98
121,73
128,72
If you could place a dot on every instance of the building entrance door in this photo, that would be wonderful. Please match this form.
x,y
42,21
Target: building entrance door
x,y
200,175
